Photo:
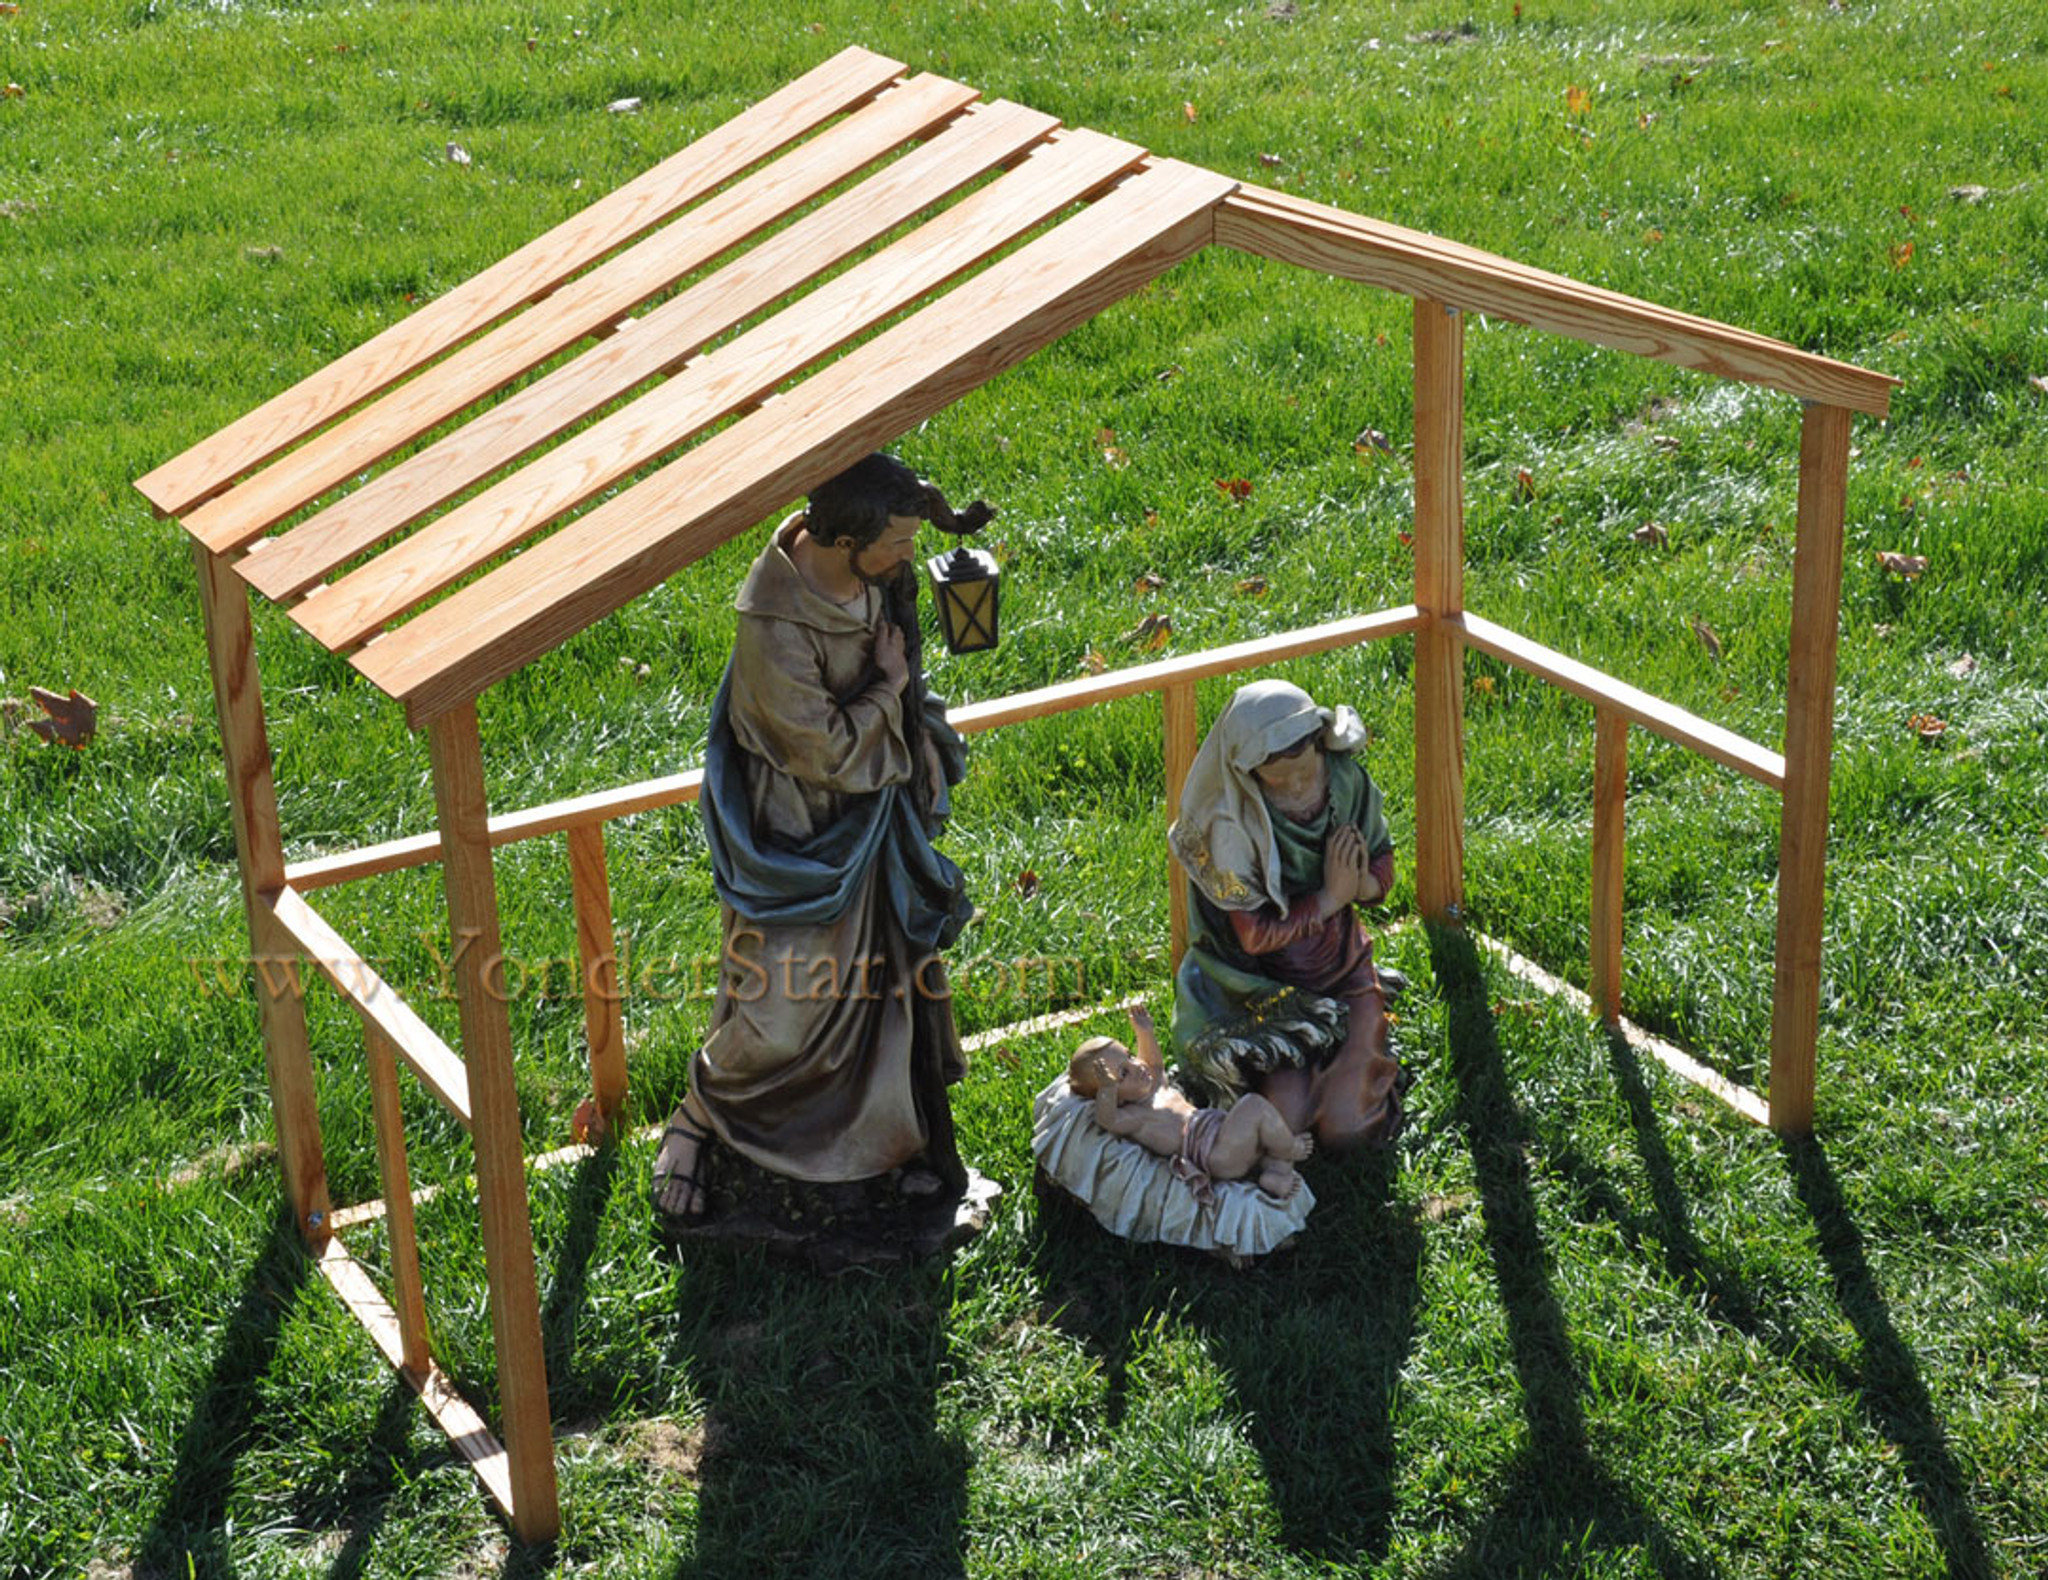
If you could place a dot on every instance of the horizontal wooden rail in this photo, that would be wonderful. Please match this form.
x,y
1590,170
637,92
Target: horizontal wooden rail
x,y
431,1059
1294,230
1639,707
585,811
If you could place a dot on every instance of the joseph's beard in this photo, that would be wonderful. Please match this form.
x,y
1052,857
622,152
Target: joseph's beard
x,y
900,580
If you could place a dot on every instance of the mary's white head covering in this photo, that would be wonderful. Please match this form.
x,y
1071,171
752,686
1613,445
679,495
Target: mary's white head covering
x,y
1224,835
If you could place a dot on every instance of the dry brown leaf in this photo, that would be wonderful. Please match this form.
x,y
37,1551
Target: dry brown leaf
x,y
2039,381
1577,101
586,1125
1151,517
457,154
1094,662
1188,111
1105,437
1927,726
1252,587
72,719
1525,483
13,90
1908,566
1485,685
1271,161
1652,532
1405,539
1169,373
1883,631
1708,639
1653,235
1237,489
1370,439
1902,254
1969,193
1964,667
1437,1208
1282,11
1114,458
1150,582
1026,883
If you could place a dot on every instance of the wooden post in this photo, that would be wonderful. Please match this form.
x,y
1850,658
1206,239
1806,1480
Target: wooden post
x,y
1610,795
1809,744
1182,728
259,851
408,1296
598,960
1439,593
479,971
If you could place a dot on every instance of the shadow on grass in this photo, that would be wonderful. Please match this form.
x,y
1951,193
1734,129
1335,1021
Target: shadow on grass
x,y
188,1534
569,1391
820,1453
1313,1340
1887,1383
1558,1503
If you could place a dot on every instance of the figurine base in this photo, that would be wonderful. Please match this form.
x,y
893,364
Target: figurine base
x,y
830,1227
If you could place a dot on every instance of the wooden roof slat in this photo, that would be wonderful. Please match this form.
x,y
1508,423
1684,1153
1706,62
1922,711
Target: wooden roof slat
x,y
295,560
591,303
715,386
847,78
592,567
1315,236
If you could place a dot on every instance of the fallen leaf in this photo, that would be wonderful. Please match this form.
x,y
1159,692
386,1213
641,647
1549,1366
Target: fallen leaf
x,y
1026,883
1188,111
13,90
1006,1056
72,719
1669,443
1235,488
1094,662
1372,439
531,45
1964,667
1653,235
263,254
2039,381
1271,161
1437,1208
1168,374
1577,101
1483,684
1252,587
1282,11
457,154
1902,254
1652,532
1150,582
1705,633
1525,483
1151,517
1908,566
586,1126
1154,631
1645,120
1114,458
1405,539
9,8
623,107
1917,460
1883,631
1927,726
1969,193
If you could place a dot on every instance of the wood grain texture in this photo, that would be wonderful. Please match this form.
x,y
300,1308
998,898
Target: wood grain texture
x,y
524,276
736,375
1315,236
592,302
472,893
1663,718
1610,801
259,853
465,1429
1809,749
396,1178
732,480
1440,594
976,142
1183,738
598,961
375,1000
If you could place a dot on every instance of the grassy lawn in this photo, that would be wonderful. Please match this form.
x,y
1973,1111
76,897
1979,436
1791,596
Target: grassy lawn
x,y
1582,1321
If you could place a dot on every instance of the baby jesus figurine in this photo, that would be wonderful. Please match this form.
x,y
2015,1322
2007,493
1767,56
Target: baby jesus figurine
x,y
1133,1100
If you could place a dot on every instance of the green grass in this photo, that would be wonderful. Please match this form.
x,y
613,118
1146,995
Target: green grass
x,y
1584,1322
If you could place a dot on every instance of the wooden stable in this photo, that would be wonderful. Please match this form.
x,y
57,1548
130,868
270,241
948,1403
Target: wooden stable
x,y
434,588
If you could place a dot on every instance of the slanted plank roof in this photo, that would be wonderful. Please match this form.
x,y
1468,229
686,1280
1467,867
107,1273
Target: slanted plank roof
x,y
368,572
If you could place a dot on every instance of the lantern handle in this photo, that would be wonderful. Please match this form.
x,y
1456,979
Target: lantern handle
x,y
960,524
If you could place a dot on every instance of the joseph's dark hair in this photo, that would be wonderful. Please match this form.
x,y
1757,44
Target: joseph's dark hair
x,y
858,503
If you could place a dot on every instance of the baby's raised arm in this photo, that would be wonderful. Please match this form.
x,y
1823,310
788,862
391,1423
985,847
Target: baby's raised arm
x,y
1144,1040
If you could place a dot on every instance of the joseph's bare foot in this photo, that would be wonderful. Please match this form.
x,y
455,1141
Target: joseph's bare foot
x,y
677,1191
1279,1179
1304,1145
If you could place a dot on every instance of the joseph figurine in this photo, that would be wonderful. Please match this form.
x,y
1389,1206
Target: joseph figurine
x,y
826,775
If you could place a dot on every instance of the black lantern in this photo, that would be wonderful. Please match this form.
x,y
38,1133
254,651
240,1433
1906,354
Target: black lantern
x,y
965,584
